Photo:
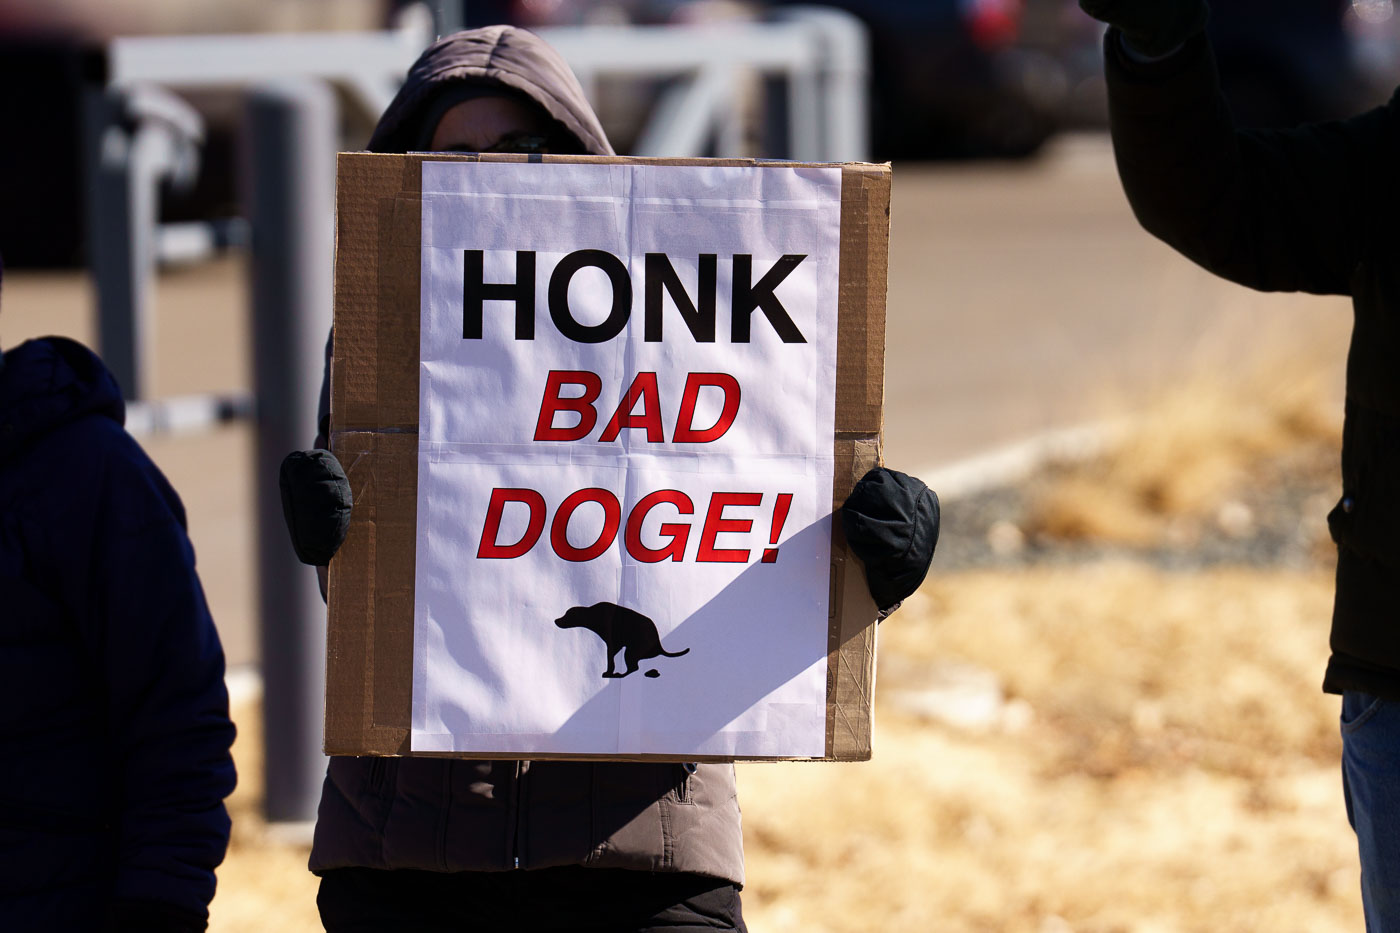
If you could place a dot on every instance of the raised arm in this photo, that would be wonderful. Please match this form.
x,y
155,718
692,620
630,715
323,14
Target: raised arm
x,y
1277,210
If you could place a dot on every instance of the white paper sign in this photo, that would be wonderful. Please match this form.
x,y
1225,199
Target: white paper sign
x,y
627,395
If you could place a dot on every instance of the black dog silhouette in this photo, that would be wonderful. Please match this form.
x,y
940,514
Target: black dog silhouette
x,y
620,628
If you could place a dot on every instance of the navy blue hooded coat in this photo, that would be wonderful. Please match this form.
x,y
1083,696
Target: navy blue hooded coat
x,y
114,727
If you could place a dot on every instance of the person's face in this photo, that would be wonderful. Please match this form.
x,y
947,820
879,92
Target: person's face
x,y
487,124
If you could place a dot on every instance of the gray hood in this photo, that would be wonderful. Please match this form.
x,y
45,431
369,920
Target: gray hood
x,y
496,55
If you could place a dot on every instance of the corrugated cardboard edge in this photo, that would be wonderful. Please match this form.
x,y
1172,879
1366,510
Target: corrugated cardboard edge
x,y
374,406
374,415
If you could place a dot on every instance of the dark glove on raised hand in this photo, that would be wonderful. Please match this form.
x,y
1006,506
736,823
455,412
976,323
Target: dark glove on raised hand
x,y
1151,27
891,523
315,503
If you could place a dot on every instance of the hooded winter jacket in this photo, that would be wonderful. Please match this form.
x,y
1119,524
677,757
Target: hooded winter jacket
x,y
1312,209
458,815
114,724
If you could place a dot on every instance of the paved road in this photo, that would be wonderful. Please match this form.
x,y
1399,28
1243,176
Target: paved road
x,y
1022,298
1026,297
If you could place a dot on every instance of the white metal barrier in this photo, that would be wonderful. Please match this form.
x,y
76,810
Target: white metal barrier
x,y
820,53
370,66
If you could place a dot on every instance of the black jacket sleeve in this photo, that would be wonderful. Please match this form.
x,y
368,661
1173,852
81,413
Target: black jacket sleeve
x,y
166,704
1276,210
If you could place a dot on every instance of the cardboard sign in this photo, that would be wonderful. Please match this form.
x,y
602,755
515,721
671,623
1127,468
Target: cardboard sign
x,y
596,413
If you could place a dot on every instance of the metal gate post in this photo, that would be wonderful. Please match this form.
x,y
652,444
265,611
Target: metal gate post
x,y
291,161
121,217
135,138
843,88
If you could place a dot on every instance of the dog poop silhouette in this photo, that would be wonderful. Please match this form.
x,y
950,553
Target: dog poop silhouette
x,y
621,629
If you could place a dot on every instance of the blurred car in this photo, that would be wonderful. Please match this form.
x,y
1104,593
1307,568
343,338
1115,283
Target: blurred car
x,y
999,77
950,79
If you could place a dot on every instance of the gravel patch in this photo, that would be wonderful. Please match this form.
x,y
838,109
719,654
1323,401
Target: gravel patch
x,y
1278,520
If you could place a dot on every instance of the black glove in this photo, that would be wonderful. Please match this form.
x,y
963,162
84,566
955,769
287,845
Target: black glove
x,y
1151,27
891,523
315,503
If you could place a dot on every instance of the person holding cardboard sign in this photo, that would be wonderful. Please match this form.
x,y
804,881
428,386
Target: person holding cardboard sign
x,y
429,843
115,729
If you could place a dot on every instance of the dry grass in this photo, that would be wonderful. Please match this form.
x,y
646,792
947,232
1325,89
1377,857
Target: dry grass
x,y
1096,747
1161,759
1196,446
